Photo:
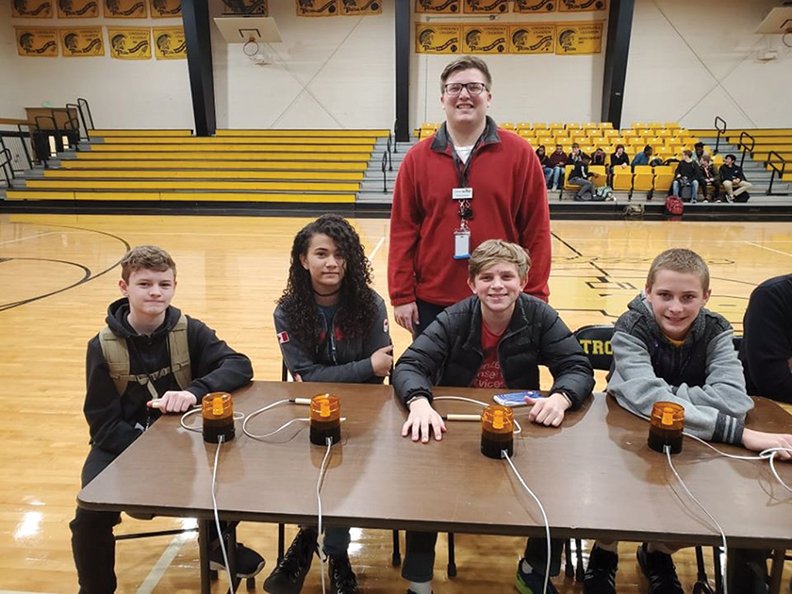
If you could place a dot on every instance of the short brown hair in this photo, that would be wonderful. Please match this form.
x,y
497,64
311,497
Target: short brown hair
x,y
496,250
466,63
680,260
149,257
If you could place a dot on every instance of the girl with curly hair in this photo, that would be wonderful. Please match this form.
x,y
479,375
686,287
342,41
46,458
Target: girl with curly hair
x,y
332,327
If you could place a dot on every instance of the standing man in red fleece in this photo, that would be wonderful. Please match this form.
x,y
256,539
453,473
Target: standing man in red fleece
x,y
469,182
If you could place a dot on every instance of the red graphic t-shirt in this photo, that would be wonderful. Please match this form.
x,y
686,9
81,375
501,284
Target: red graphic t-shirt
x,y
489,374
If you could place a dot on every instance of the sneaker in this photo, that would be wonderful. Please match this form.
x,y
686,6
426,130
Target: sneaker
x,y
531,583
660,571
289,575
600,577
342,578
249,563
729,198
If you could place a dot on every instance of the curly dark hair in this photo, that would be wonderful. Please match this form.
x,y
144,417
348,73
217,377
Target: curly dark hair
x,y
357,306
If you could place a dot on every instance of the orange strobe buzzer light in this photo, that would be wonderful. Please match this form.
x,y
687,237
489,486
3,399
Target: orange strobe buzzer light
x,y
325,419
497,430
666,425
217,411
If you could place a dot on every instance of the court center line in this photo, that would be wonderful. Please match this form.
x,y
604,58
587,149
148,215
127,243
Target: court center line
x,y
376,248
768,249
162,564
16,240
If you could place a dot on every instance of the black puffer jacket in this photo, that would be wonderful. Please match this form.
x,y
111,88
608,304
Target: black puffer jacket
x,y
449,353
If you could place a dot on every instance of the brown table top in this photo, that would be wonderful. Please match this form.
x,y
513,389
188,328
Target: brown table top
x,y
595,476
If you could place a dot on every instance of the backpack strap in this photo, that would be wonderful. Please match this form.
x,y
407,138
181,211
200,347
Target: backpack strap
x,y
116,354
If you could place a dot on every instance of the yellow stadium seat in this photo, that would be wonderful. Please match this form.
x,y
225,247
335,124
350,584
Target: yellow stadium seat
x,y
622,178
567,173
539,126
672,125
663,133
636,125
717,161
555,126
601,178
606,125
664,175
507,125
610,133
598,140
643,178
573,126
654,125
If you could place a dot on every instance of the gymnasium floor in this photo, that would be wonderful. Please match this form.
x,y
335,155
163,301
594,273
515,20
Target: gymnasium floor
x,y
58,273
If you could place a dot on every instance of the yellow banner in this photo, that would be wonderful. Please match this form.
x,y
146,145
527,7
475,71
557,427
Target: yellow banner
x,y
78,9
578,38
485,39
81,42
169,43
437,6
582,5
37,41
532,39
130,43
31,9
361,7
165,9
436,39
248,7
125,9
485,6
535,5
317,8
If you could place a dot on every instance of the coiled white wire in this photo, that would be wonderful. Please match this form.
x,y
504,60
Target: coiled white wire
x,y
217,513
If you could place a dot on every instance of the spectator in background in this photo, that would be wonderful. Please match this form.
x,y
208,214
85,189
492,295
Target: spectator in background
x,y
598,158
735,186
618,159
576,154
557,161
580,177
687,174
642,158
548,171
709,179
699,152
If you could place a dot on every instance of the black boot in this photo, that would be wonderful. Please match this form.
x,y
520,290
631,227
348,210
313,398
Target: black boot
x,y
289,575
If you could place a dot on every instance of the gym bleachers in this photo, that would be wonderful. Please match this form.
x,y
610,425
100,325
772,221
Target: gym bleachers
x,y
284,166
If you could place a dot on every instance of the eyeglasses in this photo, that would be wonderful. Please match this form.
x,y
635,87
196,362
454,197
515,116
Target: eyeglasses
x,y
473,88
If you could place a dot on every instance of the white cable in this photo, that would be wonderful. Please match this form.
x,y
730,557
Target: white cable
x,y
217,513
256,413
505,454
667,450
320,536
771,458
271,433
184,418
517,426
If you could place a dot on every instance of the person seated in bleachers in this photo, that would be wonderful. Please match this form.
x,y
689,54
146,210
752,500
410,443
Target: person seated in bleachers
x,y
709,179
598,158
580,177
576,154
548,171
766,347
643,157
618,159
687,174
496,338
699,152
735,186
557,160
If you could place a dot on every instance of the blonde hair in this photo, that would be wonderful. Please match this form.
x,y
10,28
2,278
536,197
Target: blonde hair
x,y
496,250
680,260
149,257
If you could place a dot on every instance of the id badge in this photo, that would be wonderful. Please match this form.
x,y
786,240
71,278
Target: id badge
x,y
461,244
462,193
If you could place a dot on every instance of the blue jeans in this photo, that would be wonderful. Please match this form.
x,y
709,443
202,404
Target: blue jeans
x,y
557,177
548,172
675,188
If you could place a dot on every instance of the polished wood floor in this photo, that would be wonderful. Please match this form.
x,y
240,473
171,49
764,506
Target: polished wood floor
x,y
58,273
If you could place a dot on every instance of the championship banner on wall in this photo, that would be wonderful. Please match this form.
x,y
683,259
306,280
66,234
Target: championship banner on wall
x,y
246,7
130,43
578,38
124,9
582,5
485,39
437,6
532,39
78,9
361,7
31,9
485,6
436,39
37,41
317,8
164,9
169,43
541,6
81,42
